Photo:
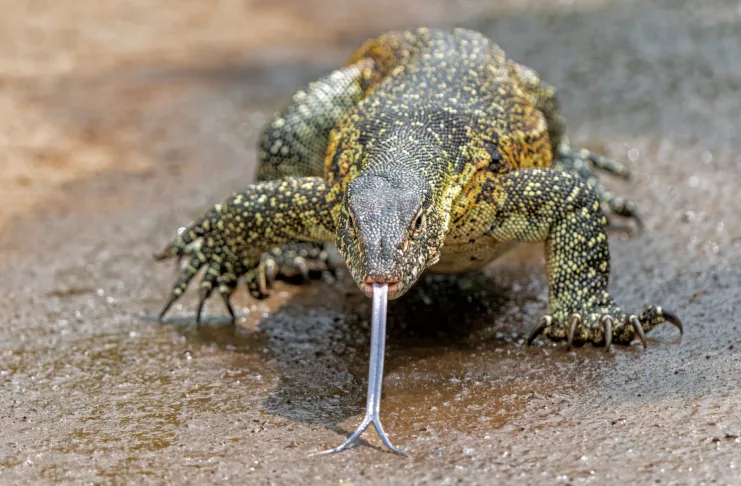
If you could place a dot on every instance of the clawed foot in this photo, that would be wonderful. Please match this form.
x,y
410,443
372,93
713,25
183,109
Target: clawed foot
x,y
603,329
218,245
213,248
296,259
222,275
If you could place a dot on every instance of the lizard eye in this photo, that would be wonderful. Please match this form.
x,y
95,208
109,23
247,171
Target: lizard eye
x,y
419,225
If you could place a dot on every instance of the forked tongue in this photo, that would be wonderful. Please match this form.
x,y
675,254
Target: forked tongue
x,y
375,372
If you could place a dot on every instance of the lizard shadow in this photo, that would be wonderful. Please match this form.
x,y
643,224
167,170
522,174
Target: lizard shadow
x,y
316,337
319,339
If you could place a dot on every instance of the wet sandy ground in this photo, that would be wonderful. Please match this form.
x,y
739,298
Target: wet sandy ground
x,y
122,121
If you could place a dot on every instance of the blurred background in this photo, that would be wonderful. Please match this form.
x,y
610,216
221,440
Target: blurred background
x,y
121,120
92,86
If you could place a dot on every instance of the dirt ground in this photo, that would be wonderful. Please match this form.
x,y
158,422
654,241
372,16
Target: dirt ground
x,y
121,121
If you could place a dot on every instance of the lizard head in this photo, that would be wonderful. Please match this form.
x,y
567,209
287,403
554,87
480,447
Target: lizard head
x,y
389,230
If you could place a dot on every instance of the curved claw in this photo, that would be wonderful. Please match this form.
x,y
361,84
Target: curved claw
x,y
303,268
163,255
607,323
574,321
203,295
630,210
639,329
270,269
674,320
258,285
167,306
543,324
228,304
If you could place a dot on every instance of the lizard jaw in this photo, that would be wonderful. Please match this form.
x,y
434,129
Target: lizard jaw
x,y
394,286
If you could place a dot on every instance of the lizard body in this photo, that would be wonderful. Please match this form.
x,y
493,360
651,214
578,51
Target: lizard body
x,y
427,150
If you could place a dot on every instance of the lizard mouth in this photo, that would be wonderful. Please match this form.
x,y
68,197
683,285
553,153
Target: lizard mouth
x,y
394,286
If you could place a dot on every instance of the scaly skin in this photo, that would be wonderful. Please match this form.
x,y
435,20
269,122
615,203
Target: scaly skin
x,y
428,150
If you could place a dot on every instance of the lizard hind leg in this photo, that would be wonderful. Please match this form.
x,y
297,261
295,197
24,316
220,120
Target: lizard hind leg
x,y
608,165
582,163
296,260
573,160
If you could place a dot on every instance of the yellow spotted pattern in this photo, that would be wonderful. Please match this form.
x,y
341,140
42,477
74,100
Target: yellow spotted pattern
x,y
476,145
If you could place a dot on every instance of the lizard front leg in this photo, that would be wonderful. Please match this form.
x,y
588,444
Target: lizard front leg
x,y
563,211
294,143
235,235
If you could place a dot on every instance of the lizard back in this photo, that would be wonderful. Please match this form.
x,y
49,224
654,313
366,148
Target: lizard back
x,y
452,96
